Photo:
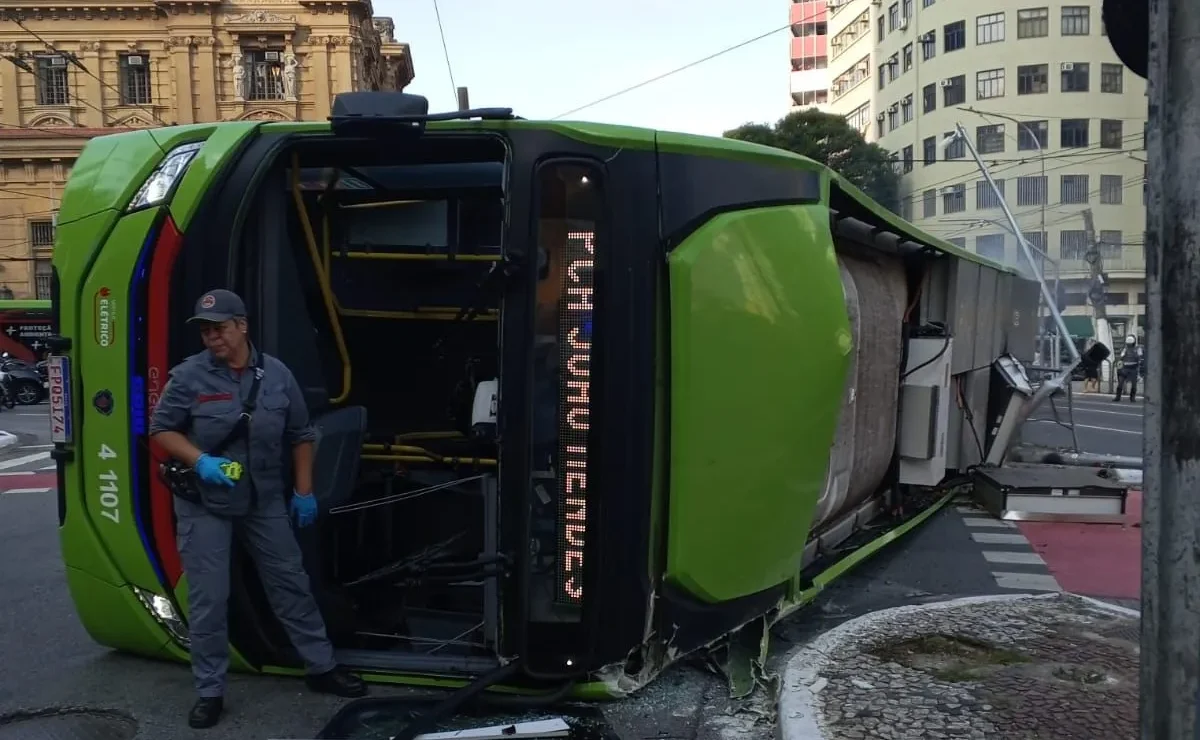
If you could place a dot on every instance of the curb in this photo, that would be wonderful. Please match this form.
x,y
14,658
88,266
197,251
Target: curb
x,y
801,682
8,439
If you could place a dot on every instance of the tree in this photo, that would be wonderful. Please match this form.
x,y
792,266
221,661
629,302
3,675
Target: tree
x,y
829,140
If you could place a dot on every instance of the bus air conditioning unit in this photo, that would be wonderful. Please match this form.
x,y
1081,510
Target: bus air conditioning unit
x,y
925,411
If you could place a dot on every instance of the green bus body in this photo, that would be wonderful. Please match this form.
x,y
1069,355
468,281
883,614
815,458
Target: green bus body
x,y
741,347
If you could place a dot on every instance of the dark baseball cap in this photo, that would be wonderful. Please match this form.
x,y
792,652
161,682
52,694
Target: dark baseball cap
x,y
217,306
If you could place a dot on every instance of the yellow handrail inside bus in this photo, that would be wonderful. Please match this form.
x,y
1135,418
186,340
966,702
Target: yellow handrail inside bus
x,y
382,204
310,239
479,461
363,313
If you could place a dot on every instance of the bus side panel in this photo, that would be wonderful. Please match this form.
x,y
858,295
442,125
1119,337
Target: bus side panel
x,y
760,343
103,358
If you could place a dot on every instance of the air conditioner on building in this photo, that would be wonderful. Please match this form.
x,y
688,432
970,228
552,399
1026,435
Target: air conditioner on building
x,y
1068,66
271,56
893,108
135,60
929,37
903,24
945,82
948,190
880,117
58,61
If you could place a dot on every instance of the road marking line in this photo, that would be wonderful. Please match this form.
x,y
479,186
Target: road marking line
x,y
23,460
968,510
1110,429
995,538
1013,558
1027,581
16,472
976,521
27,490
1105,411
35,447
49,467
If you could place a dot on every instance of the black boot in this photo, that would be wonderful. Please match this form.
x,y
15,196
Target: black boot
x,y
205,712
338,682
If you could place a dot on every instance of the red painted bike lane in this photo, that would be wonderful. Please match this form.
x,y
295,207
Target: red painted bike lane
x,y
1102,560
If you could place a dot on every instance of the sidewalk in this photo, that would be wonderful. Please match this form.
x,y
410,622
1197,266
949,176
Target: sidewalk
x,y
1050,667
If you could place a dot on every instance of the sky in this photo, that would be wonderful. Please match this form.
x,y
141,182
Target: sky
x,y
544,57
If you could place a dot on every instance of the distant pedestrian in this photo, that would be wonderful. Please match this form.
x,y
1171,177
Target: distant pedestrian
x,y
1129,368
1091,370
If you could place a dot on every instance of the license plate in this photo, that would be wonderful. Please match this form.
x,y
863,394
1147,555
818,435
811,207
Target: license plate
x,y
59,384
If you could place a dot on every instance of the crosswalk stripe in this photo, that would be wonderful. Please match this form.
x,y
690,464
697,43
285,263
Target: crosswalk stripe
x,y
1013,558
16,461
996,538
977,521
26,490
1027,581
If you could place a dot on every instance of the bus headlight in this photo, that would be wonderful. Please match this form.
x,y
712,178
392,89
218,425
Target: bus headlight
x,y
162,181
165,613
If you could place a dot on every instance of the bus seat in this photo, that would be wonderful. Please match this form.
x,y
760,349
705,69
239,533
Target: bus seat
x,y
340,436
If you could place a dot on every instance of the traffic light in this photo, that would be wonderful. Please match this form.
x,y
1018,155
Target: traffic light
x,y
1128,25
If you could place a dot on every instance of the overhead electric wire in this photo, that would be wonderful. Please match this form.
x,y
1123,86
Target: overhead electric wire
x,y
687,66
446,51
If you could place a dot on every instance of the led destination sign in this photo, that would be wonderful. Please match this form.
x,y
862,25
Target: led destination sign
x,y
574,408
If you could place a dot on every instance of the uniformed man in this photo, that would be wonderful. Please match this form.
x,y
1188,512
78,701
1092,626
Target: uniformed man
x,y
1130,367
242,489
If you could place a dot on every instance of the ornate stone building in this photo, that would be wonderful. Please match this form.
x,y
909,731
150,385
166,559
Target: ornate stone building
x,y
71,70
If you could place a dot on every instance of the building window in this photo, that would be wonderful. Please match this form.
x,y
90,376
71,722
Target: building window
x,y
859,118
893,16
1072,244
1111,133
1111,241
907,157
135,79
908,9
1074,189
1076,20
882,76
955,93
1036,239
929,97
990,246
1033,23
989,84
989,29
893,65
53,83
955,36
1112,78
985,197
1033,135
1076,76
881,31
892,118
929,204
1112,190
43,272
990,139
41,234
908,57
906,109
954,198
1033,79
957,148
264,75
1031,190
929,147
1074,133
929,46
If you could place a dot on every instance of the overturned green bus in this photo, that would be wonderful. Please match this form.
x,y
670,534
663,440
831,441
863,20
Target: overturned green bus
x,y
589,397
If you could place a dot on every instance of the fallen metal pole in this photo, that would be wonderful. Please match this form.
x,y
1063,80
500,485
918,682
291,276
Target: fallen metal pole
x,y
1170,654
1054,456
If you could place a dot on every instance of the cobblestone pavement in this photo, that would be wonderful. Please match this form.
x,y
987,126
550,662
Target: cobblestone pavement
x,y
1054,667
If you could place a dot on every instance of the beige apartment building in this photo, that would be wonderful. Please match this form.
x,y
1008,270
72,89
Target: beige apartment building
x,y
1058,120
73,70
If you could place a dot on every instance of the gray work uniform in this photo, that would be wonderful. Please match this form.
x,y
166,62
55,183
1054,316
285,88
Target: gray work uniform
x,y
203,400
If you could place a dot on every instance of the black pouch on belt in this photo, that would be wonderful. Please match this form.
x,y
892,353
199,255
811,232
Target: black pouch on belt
x,y
182,480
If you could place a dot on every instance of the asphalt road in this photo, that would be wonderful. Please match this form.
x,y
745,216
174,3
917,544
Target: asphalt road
x,y
1102,425
51,662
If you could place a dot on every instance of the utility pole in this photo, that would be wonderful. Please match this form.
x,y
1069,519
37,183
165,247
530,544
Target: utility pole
x,y
464,101
1098,287
1170,654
